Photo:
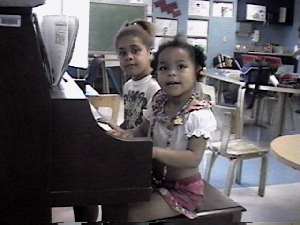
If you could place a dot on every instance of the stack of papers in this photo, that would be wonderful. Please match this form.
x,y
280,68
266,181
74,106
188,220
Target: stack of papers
x,y
59,34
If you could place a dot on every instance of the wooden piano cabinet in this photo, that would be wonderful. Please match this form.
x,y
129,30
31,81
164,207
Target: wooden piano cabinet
x,y
53,153
25,124
90,167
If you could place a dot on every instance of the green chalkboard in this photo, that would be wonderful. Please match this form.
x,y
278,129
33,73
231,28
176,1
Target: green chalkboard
x,y
106,19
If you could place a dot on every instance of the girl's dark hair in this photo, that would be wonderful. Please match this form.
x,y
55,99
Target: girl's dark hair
x,y
179,41
139,28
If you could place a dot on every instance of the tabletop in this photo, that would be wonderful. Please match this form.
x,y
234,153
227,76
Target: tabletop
x,y
233,76
287,149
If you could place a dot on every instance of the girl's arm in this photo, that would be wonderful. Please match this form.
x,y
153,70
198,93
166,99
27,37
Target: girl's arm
x,y
186,158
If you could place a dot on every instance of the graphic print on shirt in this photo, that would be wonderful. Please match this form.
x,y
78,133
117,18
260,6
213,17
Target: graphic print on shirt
x,y
135,102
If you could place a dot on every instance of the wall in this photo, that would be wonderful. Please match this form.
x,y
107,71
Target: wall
x,y
291,37
221,32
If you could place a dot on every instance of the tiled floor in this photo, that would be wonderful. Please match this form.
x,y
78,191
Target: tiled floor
x,y
281,203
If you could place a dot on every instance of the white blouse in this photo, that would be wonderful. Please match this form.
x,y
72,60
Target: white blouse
x,y
198,123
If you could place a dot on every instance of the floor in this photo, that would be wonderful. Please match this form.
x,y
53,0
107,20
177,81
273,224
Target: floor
x,y
281,203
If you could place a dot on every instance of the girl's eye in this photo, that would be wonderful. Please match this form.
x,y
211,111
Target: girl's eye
x,y
162,68
122,53
135,50
182,66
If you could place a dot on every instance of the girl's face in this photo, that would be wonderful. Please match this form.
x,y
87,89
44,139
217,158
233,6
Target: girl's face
x,y
176,72
134,57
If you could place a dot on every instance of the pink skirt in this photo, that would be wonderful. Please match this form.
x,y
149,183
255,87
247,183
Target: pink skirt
x,y
185,195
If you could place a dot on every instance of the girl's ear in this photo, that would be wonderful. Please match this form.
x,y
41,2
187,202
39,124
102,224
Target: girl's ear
x,y
199,74
151,53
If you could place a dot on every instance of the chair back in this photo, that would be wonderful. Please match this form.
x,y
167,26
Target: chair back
x,y
108,104
225,125
206,91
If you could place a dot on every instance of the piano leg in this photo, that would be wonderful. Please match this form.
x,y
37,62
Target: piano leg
x,y
86,213
115,213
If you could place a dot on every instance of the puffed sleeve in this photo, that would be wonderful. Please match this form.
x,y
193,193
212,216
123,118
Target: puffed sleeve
x,y
200,123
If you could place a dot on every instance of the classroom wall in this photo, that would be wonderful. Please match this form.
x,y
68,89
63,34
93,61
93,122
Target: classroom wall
x,y
284,35
221,32
291,35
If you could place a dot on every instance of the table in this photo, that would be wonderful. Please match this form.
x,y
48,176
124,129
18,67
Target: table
x,y
287,149
287,59
283,93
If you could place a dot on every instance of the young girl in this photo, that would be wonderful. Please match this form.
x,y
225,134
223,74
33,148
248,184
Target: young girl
x,y
133,44
180,126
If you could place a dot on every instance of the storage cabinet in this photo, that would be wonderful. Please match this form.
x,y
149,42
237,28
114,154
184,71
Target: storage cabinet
x,y
280,12
277,11
242,9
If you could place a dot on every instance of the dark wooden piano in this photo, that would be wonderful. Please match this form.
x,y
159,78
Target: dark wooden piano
x,y
53,153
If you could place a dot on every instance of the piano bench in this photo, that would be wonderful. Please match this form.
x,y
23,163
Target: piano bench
x,y
217,209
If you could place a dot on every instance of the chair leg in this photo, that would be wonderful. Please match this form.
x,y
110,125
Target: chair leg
x,y
239,170
291,111
209,164
258,110
263,175
230,176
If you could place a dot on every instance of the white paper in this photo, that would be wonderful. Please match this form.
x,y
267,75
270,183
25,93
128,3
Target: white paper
x,y
198,41
197,28
59,34
255,36
55,35
256,12
198,8
282,15
222,9
159,40
165,27
106,113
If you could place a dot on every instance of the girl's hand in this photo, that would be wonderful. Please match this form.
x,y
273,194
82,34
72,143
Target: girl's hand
x,y
119,132
155,152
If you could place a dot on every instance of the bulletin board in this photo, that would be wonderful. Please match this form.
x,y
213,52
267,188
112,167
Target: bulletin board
x,y
106,19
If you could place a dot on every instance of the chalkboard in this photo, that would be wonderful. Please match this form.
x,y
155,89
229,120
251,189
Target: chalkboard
x,y
105,21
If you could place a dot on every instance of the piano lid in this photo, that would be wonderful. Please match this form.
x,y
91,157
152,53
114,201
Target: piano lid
x,y
21,3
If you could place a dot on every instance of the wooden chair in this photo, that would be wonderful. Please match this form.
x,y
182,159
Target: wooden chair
x,y
112,101
235,149
207,90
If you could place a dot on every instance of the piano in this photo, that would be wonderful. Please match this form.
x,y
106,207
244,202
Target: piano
x,y
53,153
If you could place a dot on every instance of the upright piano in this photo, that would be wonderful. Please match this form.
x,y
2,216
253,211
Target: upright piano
x,y
53,153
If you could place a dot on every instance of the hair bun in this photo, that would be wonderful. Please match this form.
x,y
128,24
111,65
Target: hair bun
x,y
145,25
